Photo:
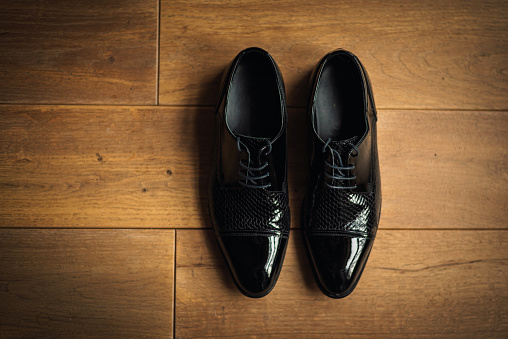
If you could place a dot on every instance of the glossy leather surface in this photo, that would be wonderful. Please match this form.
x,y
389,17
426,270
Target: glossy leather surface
x,y
341,211
339,276
255,260
248,195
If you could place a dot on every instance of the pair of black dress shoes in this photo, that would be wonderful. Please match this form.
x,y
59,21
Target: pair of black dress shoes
x,y
248,188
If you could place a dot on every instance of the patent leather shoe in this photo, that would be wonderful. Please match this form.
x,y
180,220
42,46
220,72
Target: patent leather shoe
x,y
248,195
341,210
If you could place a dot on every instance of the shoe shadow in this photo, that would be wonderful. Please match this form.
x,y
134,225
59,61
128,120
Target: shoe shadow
x,y
204,127
298,168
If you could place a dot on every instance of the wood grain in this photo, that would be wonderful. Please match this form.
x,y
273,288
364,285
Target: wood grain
x,y
103,203
419,54
416,284
444,169
92,52
86,283
74,166
100,166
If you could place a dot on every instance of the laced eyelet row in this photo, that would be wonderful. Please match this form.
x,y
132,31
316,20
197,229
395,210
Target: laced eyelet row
x,y
252,176
337,167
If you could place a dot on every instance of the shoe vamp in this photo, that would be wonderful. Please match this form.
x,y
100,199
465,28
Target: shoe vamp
x,y
343,210
251,209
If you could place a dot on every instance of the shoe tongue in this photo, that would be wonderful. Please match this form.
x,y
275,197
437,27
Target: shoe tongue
x,y
254,144
343,146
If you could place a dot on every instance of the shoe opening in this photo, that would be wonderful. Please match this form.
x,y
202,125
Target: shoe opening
x,y
254,104
339,100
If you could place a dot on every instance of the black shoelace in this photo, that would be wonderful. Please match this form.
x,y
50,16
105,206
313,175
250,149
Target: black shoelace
x,y
253,176
337,167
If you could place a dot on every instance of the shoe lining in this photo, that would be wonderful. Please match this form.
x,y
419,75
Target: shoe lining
x,y
253,107
339,103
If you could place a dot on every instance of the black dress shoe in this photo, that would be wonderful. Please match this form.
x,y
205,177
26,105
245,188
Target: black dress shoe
x,y
340,214
248,192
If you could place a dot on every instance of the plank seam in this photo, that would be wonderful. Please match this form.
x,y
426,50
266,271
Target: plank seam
x,y
209,229
174,283
105,105
158,63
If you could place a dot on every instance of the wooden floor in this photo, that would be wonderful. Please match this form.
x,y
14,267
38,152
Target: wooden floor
x,y
106,120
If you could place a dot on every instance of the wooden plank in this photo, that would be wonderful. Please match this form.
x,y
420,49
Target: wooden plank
x,y
444,169
86,283
74,166
81,52
419,54
71,166
416,284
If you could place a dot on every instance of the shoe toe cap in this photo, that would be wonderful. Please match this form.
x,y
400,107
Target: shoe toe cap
x,y
255,261
338,262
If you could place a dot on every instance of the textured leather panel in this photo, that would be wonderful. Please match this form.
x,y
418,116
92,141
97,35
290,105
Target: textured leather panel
x,y
250,209
342,210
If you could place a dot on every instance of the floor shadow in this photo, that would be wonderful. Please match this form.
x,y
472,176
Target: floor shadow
x,y
298,168
298,152
204,128
299,93
305,270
